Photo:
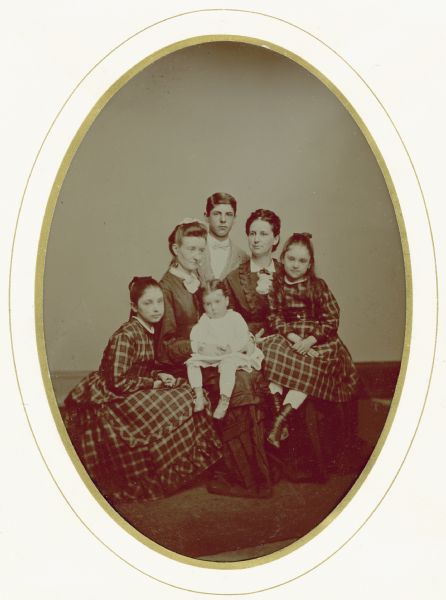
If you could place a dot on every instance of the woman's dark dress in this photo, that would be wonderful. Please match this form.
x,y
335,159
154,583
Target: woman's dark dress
x,y
241,431
244,298
125,431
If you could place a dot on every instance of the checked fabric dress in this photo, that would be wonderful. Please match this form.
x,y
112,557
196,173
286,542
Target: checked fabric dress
x,y
331,375
122,427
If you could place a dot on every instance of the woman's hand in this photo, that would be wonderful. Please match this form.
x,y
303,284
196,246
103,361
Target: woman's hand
x,y
165,379
293,338
305,345
259,335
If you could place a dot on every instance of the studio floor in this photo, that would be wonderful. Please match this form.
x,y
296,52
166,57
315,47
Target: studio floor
x,y
197,524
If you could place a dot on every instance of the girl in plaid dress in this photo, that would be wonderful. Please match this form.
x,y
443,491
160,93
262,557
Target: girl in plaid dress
x,y
307,358
133,426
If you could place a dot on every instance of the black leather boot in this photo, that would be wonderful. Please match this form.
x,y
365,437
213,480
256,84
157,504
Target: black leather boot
x,y
275,436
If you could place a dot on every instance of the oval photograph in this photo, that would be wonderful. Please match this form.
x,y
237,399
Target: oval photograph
x,y
224,304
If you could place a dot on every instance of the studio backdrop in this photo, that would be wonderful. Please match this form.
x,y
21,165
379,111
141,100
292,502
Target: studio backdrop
x,y
220,117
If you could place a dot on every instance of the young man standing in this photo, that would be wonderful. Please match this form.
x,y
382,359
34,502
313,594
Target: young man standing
x,y
221,255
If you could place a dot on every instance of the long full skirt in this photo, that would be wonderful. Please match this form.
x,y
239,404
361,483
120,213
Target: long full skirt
x,y
330,376
242,430
150,440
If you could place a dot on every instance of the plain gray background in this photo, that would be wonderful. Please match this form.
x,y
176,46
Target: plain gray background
x,y
220,117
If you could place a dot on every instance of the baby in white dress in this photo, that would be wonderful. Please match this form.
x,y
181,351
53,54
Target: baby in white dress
x,y
221,339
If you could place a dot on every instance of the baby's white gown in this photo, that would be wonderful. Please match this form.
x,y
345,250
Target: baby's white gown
x,y
230,330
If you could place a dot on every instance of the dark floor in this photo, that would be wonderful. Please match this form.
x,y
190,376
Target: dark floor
x,y
197,524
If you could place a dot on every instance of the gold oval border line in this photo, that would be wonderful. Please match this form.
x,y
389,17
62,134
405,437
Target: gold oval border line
x,y
39,275
65,165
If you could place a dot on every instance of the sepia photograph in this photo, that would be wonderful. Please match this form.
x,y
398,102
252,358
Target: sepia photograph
x,y
224,302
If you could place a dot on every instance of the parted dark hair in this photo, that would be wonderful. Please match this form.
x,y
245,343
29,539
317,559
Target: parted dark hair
x,y
302,239
212,286
264,214
220,198
138,286
182,230
313,283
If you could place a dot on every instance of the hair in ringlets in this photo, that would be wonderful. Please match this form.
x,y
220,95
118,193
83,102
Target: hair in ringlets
x,y
212,286
264,214
220,198
313,285
182,230
137,287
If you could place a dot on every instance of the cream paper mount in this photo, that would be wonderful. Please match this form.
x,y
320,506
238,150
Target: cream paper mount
x,y
33,227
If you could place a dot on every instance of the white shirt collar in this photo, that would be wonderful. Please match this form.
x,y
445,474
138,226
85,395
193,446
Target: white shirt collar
x,y
288,282
149,328
219,254
270,268
214,242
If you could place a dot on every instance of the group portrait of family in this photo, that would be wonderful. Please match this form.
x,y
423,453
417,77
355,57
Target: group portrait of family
x,y
216,360
224,302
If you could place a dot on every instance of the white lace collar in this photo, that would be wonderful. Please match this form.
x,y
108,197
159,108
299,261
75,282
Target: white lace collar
x,y
149,328
190,282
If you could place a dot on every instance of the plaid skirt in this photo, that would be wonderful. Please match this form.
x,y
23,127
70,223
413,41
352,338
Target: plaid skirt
x,y
330,376
150,439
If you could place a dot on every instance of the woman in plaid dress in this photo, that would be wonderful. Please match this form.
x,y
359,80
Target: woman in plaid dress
x,y
132,425
307,358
